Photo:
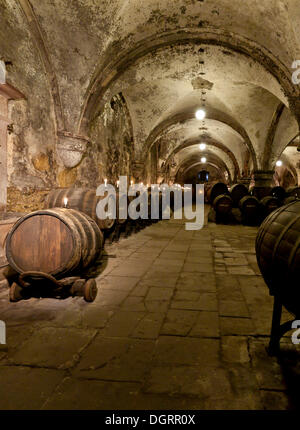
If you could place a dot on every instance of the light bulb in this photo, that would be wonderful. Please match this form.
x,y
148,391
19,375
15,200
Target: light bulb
x,y
200,114
278,163
202,146
203,160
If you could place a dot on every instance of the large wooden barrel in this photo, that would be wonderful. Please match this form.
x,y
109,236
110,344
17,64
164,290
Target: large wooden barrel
x,y
279,193
81,199
216,190
250,208
269,204
260,192
237,192
293,191
54,241
278,254
223,204
289,199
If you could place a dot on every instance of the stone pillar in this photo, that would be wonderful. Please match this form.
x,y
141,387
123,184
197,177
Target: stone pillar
x,y
263,181
71,148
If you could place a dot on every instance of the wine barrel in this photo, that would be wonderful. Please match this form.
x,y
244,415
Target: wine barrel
x,y
279,193
293,191
278,254
216,190
81,199
250,209
237,192
54,241
223,204
269,204
260,192
289,199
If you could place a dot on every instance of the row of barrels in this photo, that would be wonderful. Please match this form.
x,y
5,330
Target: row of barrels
x,y
66,237
241,205
86,200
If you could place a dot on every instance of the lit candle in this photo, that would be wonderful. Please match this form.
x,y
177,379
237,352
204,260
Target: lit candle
x,y
65,201
131,182
118,183
105,182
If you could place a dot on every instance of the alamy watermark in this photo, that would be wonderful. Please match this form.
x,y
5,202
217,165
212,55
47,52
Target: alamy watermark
x,y
160,199
296,73
295,339
2,333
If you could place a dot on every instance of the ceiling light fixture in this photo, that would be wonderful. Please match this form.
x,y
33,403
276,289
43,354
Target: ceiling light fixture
x,y
200,114
278,163
203,160
202,146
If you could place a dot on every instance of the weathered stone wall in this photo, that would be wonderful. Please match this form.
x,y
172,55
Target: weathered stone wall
x,y
31,158
26,200
111,149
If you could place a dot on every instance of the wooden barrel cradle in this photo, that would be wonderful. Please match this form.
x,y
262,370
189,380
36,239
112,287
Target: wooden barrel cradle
x,y
279,193
278,254
216,190
54,241
269,204
223,204
237,192
250,208
81,199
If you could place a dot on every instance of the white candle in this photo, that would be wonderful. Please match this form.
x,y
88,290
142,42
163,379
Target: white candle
x,y
118,183
65,201
105,182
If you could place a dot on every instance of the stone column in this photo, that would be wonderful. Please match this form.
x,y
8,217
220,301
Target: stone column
x,y
263,180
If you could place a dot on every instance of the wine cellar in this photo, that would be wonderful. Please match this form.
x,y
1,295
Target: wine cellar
x,y
149,205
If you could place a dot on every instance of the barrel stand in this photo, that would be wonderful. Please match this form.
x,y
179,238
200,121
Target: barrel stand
x,y
278,330
28,285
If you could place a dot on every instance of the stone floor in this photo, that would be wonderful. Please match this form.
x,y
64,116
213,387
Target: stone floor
x,y
181,321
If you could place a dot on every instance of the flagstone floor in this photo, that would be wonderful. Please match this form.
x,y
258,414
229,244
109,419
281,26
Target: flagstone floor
x,y
181,321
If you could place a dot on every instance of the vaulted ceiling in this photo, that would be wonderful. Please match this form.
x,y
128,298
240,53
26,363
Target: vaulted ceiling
x,y
168,58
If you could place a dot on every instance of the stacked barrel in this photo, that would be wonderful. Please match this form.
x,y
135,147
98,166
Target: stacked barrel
x,y
250,207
